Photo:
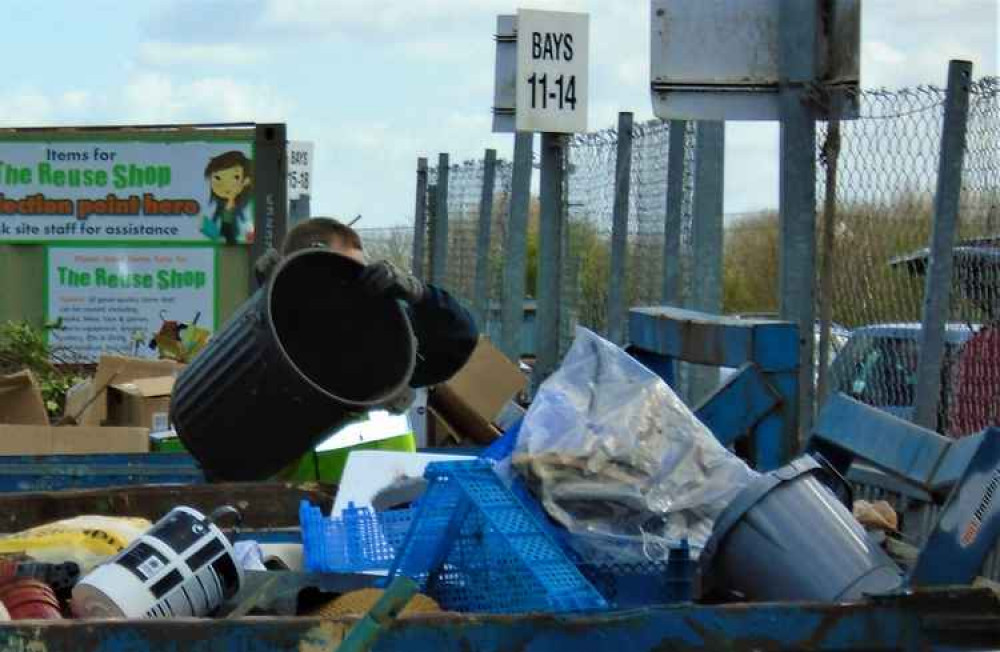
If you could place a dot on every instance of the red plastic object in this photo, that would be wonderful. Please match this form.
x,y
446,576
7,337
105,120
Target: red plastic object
x,y
27,598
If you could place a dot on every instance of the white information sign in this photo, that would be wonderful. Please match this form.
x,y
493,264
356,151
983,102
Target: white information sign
x,y
159,190
551,89
300,168
116,300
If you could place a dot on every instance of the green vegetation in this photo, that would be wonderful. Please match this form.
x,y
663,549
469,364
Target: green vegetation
x,y
24,347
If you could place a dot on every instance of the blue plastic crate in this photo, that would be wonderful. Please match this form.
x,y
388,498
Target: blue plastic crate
x,y
474,547
359,540
622,584
640,584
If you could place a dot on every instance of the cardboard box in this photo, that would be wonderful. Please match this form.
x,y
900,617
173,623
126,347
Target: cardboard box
x,y
473,399
143,403
87,404
21,400
70,440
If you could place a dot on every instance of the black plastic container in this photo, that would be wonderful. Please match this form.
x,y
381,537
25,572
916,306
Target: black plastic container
x,y
304,354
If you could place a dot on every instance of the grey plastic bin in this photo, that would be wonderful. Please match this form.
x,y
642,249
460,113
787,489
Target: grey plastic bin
x,y
787,537
305,354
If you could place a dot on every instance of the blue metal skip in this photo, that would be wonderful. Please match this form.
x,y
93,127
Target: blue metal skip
x,y
959,619
59,472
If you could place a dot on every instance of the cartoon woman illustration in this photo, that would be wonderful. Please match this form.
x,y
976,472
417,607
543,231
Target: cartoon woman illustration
x,y
229,177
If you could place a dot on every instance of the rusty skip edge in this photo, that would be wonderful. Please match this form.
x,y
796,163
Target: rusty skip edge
x,y
956,619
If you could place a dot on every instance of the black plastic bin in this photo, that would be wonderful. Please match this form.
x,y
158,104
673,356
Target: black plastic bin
x,y
306,353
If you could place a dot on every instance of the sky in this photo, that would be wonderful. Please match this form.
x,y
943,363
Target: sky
x,y
375,84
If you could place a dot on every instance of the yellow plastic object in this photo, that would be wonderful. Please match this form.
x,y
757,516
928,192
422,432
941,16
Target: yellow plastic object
x,y
86,540
358,603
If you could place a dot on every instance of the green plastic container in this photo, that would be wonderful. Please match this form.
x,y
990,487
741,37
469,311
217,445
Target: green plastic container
x,y
328,466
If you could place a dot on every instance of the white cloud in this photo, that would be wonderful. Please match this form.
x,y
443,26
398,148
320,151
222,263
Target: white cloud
x,y
77,100
634,71
880,53
25,109
154,97
399,19
166,53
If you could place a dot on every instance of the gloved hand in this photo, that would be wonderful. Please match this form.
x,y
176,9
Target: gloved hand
x,y
385,279
265,265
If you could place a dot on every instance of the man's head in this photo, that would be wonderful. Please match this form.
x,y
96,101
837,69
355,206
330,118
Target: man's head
x,y
327,233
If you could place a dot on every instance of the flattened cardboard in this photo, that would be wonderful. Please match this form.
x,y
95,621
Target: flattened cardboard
x,y
144,403
21,400
89,405
473,399
71,440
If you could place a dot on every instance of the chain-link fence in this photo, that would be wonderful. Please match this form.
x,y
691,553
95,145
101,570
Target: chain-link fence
x,y
887,171
590,197
887,167
464,197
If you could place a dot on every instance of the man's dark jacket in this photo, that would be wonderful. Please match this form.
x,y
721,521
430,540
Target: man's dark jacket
x,y
446,335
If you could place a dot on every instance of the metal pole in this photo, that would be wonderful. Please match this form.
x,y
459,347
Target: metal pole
x,y
420,219
937,291
707,236
298,210
831,154
619,231
672,223
439,244
515,247
797,199
482,293
549,255
431,224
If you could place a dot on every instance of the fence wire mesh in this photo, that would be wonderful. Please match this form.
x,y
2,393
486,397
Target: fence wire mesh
x,y
465,188
887,169
887,175
591,173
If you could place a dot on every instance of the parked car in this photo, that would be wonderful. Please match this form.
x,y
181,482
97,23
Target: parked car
x,y
878,366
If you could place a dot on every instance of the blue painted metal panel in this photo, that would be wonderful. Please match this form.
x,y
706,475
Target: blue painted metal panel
x,y
961,620
861,431
956,460
57,472
771,346
660,365
775,439
775,346
733,409
702,338
969,525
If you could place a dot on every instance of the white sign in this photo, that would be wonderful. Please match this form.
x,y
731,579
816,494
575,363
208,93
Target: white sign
x,y
300,167
116,300
552,71
168,189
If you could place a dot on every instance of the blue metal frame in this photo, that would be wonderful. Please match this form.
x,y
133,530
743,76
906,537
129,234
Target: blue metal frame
x,y
964,619
760,402
59,472
848,430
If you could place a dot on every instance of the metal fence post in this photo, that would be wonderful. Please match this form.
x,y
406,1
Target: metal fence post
x,y
937,292
420,219
439,242
707,236
515,247
298,210
797,198
672,294
431,224
619,231
549,255
482,291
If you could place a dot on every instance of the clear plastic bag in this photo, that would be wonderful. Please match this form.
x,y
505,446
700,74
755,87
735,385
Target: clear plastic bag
x,y
618,460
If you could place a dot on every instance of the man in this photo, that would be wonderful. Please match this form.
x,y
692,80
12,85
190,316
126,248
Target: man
x,y
445,331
